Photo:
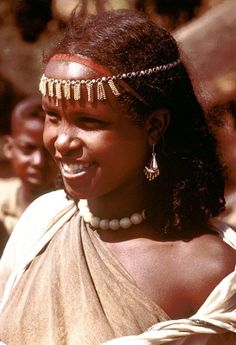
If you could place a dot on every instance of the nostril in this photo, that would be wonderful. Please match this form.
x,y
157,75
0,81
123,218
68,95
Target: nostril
x,y
75,142
64,143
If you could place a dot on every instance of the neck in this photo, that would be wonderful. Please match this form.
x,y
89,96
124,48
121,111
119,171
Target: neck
x,y
118,203
27,195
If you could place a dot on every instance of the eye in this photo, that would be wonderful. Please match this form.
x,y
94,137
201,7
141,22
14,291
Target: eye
x,y
91,122
26,149
52,116
90,119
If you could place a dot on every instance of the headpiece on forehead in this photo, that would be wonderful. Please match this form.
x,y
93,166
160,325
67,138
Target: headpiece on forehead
x,y
71,88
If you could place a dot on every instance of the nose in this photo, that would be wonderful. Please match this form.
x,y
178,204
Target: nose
x,y
65,144
38,158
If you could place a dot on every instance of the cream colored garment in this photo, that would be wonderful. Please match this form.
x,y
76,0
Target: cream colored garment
x,y
209,325
10,208
75,292
218,311
229,215
40,221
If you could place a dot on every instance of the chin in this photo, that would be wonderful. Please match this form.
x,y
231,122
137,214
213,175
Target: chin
x,y
76,196
79,194
37,187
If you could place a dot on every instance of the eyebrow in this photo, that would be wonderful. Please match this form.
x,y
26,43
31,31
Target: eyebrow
x,y
46,106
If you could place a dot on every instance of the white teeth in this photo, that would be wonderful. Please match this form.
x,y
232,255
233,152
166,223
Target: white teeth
x,y
74,168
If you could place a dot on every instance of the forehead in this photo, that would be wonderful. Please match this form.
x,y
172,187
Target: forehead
x,y
27,113
28,107
69,70
28,126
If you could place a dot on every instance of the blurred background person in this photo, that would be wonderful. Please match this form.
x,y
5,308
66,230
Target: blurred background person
x,y
34,170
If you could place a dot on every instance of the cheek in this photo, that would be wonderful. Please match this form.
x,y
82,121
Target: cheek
x,y
20,162
121,153
49,137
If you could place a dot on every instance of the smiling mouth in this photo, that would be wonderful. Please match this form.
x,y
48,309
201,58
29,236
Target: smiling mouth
x,y
74,169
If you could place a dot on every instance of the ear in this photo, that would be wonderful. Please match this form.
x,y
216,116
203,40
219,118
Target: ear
x,y
8,143
157,123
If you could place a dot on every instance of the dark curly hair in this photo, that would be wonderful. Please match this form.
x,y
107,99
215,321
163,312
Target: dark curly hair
x,y
190,187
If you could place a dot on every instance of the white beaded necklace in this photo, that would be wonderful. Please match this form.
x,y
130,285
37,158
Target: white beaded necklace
x,y
106,224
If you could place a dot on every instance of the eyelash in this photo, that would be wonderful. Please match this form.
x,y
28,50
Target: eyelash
x,y
90,119
27,150
91,123
52,116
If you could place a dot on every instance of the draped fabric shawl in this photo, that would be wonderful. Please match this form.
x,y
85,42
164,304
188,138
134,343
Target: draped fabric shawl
x,y
74,292
41,229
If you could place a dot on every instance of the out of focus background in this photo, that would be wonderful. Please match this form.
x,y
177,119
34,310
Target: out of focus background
x,y
205,29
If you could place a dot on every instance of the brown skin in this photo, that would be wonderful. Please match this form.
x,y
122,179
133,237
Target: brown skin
x,y
101,135
27,153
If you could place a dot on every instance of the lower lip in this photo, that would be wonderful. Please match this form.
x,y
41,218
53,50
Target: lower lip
x,y
37,176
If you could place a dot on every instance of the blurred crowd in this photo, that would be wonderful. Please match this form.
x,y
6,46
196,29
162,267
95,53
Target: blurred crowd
x,y
205,30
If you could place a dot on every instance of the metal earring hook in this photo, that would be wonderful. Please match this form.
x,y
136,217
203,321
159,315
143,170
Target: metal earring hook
x,y
152,170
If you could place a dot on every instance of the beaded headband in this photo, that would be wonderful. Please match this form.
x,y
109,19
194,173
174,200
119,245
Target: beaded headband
x,y
71,88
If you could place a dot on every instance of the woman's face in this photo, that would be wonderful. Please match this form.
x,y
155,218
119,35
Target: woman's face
x,y
96,146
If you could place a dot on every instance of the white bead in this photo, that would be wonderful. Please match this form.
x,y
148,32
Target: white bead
x,y
95,222
114,224
83,204
136,218
104,224
125,223
87,217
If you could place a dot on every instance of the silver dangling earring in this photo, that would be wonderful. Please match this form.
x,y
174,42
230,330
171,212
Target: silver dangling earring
x,y
152,171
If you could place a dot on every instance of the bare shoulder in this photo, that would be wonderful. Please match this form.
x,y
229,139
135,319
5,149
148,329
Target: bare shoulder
x,y
212,248
211,260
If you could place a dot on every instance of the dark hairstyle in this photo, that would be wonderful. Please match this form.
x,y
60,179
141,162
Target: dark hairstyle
x,y
32,109
171,8
189,189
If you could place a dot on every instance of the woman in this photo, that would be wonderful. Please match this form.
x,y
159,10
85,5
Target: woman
x,y
131,247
